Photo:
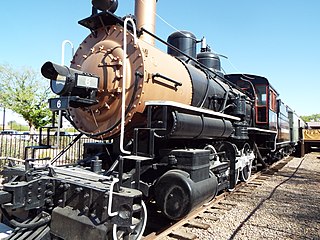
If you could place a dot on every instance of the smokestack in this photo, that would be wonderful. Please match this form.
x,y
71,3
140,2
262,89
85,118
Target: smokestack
x,y
145,12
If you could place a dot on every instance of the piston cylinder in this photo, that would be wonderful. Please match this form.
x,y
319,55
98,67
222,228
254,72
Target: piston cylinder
x,y
177,195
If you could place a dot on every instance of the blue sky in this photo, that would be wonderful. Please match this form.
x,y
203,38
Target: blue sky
x,y
278,39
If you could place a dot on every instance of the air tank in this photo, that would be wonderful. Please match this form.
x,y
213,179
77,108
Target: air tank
x,y
185,41
210,60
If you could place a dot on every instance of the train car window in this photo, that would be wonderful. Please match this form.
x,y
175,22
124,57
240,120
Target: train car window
x,y
273,101
261,95
283,108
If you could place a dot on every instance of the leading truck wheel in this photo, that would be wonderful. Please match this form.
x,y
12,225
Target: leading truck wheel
x,y
136,230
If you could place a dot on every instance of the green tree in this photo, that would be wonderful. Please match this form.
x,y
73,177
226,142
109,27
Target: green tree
x,y
26,93
313,117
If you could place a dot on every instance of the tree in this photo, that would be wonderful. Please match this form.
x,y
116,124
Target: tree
x,y
313,117
25,93
17,126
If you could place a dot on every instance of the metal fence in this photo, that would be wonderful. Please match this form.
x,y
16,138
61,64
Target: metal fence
x,y
13,145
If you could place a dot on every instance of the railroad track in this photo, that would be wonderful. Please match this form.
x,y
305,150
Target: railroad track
x,y
160,228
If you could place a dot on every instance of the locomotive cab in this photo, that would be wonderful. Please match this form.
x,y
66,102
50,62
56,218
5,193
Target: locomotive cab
x,y
265,98
271,128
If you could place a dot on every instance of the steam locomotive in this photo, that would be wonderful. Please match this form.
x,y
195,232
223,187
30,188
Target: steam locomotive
x,y
180,131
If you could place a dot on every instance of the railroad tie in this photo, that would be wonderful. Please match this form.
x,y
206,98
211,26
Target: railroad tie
x,y
232,204
219,206
210,217
214,210
263,177
182,234
255,183
197,224
243,191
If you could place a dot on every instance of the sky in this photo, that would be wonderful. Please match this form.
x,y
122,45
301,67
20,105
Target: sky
x,y
275,39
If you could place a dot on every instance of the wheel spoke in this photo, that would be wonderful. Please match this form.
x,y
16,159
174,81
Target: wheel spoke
x,y
246,171
136,231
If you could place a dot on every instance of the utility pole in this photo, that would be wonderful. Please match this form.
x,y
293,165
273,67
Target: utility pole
x,y
4,118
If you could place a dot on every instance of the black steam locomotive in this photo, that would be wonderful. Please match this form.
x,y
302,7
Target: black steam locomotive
x,y
179,132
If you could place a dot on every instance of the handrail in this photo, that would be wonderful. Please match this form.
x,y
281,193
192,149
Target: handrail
x,y
124,78
63,46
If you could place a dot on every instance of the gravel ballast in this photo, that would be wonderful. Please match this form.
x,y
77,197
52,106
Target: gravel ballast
x,y
285,206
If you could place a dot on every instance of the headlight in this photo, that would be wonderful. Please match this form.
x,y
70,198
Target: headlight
x,y
80,88
65,80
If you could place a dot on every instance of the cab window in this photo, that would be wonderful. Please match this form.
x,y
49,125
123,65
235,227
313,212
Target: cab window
x,y
261,95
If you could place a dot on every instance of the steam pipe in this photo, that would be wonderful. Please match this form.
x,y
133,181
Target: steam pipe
x,y
145,12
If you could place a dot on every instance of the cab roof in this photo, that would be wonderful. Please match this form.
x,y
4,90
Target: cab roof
x,y
255,79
